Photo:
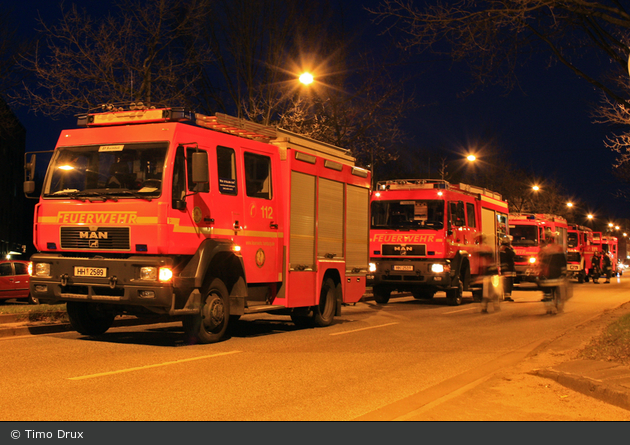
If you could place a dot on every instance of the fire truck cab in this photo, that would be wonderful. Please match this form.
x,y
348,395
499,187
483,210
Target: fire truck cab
x,y
529,231
429,235
160,211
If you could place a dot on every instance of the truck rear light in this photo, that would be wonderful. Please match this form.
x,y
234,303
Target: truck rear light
x,y
42,270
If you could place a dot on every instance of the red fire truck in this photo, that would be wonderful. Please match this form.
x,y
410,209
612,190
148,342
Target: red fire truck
x,y
580,248
528,232
163,211
610,246
430,235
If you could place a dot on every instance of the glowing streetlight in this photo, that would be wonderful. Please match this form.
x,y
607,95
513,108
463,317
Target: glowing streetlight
x,y
306,78
590,216
471,158
569,204
535,188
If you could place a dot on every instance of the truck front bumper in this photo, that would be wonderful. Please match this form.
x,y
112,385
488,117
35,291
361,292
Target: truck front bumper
x,y
120,284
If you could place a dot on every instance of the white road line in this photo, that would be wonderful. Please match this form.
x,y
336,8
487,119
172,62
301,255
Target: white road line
x,y
363,329
157,365
462,310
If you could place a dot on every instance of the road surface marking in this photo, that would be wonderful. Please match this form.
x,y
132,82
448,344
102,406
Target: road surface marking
x,y
364,329
157,365
462,310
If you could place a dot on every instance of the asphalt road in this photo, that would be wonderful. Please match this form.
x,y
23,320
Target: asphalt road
x,y
375,363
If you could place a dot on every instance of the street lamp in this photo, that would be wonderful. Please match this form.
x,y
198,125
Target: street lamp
x,y
471,158
535,188
306,78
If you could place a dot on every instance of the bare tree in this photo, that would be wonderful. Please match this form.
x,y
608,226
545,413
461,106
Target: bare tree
x,y
139,54
495,37
260,48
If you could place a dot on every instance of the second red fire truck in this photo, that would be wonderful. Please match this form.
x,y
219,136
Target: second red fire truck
x,y
580,247
143,213
529,231
430,235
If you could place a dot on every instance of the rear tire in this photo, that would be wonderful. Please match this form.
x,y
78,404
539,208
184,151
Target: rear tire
x,y
324,312
90,318
210,325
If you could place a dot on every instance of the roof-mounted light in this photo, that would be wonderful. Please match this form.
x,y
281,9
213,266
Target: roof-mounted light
x,y
134,113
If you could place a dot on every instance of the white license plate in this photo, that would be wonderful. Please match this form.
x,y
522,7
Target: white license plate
x,y
403,268
573,267
90,271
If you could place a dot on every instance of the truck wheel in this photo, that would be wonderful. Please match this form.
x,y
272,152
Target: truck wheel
x,y
454,296
31,299
210,325
381,295
422,294
324,312
89,318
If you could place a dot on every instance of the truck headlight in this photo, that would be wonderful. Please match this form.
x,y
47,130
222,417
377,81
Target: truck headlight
x,y
42,270
440,268
148,273
532,259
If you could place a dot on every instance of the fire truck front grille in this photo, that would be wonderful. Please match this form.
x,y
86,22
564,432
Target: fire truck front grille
x,y
573,257
103,238
404,277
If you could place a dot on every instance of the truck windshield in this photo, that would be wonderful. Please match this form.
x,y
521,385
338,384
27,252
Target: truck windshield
x,y
121,170
572,240
408,214
524,235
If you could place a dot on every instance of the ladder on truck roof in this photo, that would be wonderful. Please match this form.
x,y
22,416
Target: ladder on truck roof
x,y
420,184
111,115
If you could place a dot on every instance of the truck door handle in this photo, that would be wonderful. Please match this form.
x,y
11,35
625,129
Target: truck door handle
x,y
273,225
237,226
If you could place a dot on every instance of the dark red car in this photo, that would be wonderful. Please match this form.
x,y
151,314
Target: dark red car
x,y
14,279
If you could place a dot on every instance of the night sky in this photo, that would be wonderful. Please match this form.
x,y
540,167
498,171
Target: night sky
x,y
544,127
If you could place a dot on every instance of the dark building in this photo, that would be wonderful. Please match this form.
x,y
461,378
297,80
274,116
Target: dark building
x,y
15,210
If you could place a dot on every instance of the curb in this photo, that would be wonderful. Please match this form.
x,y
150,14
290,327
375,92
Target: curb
x,y
34,328
609,393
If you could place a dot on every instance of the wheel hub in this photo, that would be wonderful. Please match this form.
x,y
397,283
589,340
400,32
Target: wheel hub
x,y
213,312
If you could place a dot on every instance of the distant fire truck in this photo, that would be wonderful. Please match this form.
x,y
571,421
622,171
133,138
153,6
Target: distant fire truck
x,y
580,248
610,246
528,232
163,211
430,235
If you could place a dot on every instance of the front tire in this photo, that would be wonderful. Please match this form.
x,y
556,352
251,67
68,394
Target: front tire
x,y
381,295
210,325
454,296
90,318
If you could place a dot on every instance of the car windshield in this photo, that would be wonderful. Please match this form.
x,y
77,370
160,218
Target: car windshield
x,y
408,214
105,171
524,235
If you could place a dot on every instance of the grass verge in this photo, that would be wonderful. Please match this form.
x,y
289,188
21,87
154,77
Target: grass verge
x,y
37,312
612,345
